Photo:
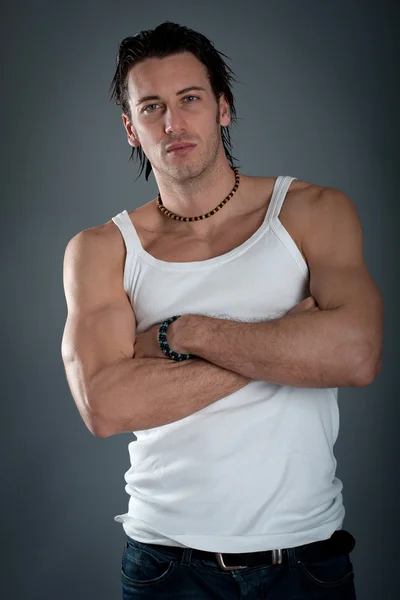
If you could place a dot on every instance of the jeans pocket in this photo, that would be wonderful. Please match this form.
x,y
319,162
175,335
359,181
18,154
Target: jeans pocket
x,y
330,572
142,567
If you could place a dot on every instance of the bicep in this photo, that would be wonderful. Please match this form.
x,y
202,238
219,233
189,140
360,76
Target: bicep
x,y
333,246
100,328
97,339
339,278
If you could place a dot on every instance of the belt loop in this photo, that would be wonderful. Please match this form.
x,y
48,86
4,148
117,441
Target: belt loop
x,y
186,557
291,555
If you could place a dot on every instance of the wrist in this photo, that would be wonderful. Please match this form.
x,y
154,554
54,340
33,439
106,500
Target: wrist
x,y
181,334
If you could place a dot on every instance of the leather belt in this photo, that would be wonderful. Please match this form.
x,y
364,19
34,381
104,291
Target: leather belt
x,y
341,542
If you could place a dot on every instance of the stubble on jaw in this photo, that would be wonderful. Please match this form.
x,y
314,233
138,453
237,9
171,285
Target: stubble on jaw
x,y
195,173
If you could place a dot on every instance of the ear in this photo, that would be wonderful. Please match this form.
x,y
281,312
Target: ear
x,y
224,111
133,139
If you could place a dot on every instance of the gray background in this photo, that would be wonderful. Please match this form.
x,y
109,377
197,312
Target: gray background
x,y
316,100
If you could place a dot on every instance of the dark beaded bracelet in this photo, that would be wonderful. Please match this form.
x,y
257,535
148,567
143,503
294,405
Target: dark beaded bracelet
x,y
162,340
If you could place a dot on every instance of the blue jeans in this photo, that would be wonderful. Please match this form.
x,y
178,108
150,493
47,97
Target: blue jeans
x,y
154,571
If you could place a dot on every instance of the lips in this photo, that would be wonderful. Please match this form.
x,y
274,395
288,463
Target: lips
x,y
177,146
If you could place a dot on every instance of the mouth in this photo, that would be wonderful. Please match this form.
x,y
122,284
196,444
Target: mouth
x,y
182,150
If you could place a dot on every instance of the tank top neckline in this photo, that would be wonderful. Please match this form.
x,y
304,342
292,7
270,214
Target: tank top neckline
x,y
175,266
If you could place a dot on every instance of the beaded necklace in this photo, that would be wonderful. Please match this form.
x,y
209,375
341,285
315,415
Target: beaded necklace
x,y
172,215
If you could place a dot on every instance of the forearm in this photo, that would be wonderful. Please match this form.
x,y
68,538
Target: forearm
x,y
142,393
308,349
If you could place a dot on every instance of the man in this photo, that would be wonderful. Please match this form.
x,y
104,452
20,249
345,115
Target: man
x,y
221,342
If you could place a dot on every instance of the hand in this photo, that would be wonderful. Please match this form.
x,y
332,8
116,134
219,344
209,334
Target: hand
x,y
147,346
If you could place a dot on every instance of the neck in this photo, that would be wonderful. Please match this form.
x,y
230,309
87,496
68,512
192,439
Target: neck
x,y
198,195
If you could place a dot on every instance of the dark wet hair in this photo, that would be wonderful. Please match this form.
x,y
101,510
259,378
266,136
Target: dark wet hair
x,y
165,40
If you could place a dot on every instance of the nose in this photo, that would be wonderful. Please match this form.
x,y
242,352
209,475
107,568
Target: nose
x,y
174,121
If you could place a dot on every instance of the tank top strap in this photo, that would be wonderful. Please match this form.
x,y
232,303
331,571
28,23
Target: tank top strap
x,y
128,232
281,187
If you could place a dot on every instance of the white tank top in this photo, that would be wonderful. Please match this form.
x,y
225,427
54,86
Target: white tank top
x,y
254,470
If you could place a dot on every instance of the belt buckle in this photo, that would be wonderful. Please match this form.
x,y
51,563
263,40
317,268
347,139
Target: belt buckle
x,y
277,559
223,566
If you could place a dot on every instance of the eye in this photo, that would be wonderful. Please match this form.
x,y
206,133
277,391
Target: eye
x,y
185,97
147,107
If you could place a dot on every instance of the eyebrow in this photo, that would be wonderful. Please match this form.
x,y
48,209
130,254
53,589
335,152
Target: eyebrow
x,y
188,89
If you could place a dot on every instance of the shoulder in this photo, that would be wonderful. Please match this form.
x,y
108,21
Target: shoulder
x,y
325,207
299,189
101,244
299,199
317,212
310,201
326,219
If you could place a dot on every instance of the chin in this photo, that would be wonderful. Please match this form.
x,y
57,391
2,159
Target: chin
x,y
186,170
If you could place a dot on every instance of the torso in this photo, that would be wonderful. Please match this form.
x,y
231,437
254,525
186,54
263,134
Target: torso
x,y
161,238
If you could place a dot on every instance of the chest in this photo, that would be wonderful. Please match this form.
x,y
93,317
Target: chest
x,y
173,247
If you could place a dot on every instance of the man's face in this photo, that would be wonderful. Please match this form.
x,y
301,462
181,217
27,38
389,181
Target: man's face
x,y
192,116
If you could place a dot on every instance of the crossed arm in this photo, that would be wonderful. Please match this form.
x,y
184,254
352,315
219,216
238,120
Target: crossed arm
x,y
338,345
